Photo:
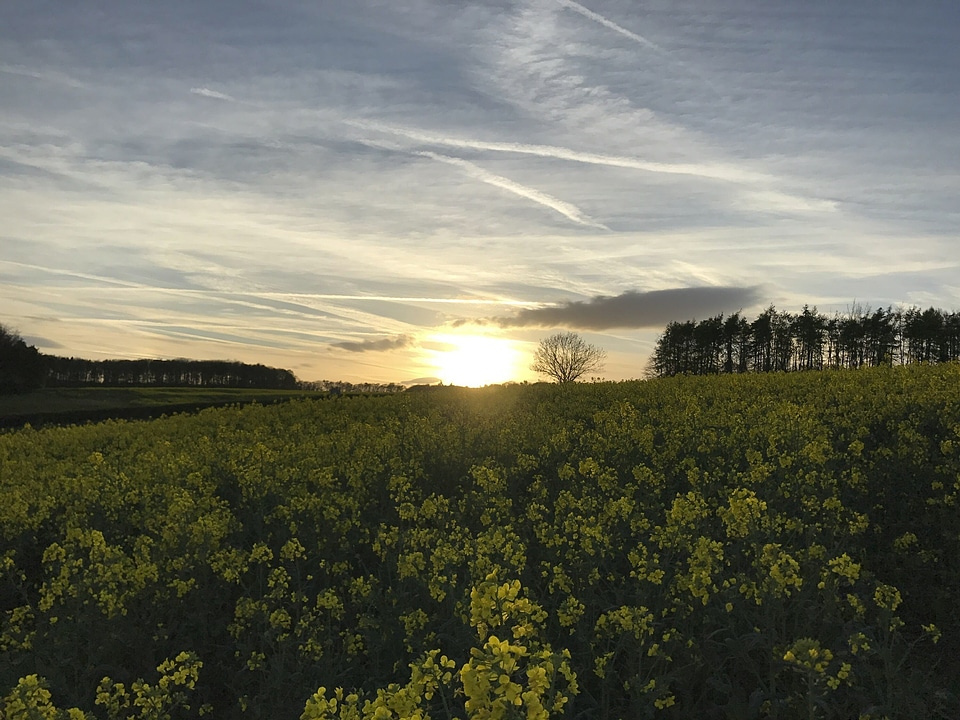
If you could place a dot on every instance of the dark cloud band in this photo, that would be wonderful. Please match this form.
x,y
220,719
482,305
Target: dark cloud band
x,y
634,309
376,345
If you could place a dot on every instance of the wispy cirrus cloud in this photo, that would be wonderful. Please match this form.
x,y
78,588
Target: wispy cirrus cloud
x,y
42,342
634,309
53,76
380,345
216,94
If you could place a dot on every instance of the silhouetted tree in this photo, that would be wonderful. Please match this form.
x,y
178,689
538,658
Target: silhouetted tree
x,y
565,357
852,338
21,365
809,332
880,330
922,331
736,344
783,344
708,340
674,354
951,335
762,346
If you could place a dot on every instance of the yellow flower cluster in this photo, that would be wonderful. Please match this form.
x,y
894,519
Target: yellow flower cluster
x,y
88,568
845,568
31,700
743,514
500,679
808,653
160,701
808,656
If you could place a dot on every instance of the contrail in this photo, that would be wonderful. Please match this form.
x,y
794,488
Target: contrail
x,y
715,172
74,274
399,298
46,75
568,210
216,94
596,17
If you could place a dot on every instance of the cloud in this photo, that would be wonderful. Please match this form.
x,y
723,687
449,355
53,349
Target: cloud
x,y
431,380
207,92
306,217
41,342
597,17
633,309
713,171
400,298
46,75
375,345
568,210
646,42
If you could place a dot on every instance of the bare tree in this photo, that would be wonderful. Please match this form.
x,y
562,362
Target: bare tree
x,y
566,356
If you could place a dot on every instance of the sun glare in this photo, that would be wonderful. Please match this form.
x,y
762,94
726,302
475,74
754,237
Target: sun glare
x,y
477,360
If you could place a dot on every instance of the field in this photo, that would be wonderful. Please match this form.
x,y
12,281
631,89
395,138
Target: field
x,y
764,546
71,405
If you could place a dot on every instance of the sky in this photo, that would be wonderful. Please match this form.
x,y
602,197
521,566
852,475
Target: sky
x,y
389,191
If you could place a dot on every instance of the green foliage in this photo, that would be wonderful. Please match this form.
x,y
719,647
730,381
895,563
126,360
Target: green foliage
x,y
21,365
731,547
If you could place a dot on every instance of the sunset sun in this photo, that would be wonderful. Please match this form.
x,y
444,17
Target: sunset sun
x,y
477,360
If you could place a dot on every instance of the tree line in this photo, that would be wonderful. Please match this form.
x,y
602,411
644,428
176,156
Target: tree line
x,y
76,372
342,387
777,341
24,368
